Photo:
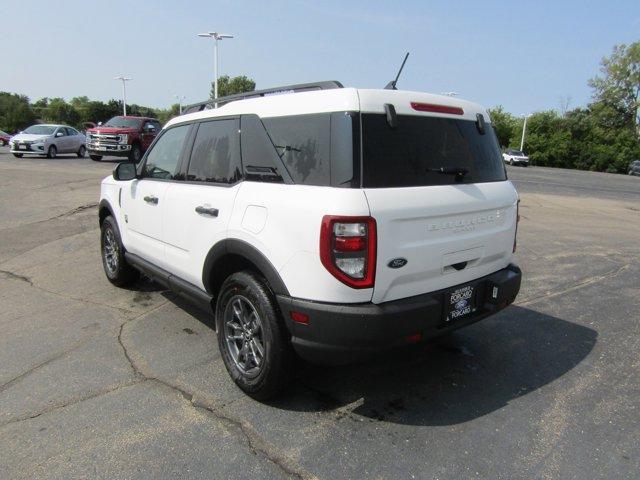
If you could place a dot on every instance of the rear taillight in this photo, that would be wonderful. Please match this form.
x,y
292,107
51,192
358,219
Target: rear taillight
x,y
515,237
348,249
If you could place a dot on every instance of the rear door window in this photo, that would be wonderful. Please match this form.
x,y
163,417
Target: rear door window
x,y
215,157
413,153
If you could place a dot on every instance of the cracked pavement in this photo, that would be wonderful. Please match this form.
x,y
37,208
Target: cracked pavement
x,y
100,382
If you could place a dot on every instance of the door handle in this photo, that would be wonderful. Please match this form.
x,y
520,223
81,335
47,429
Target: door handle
x,y
151,199
212,212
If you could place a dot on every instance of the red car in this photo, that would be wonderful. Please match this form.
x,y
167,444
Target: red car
x,y
4,138
122,137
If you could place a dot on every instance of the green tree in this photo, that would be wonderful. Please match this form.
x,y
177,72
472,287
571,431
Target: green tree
x,y
504,124
230,86
15,112
619,85
59,111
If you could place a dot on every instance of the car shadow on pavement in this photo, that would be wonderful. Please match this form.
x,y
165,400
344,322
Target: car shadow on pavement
x,y
450,380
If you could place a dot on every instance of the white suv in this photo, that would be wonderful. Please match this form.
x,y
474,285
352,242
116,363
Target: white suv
x,y
330,222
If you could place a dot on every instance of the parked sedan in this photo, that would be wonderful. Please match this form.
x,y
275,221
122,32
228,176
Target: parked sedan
x,y
49,140
4,138
515,157
634,168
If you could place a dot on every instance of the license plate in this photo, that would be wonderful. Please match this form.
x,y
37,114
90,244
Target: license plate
x,y
460,303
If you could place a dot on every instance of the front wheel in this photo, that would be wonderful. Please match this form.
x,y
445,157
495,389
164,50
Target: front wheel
x,y
52,152
95,158
17,155
116,268
82,151
254,343
135,154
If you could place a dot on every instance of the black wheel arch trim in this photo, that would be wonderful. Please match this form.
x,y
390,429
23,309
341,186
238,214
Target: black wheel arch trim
x,y
234,246
105,204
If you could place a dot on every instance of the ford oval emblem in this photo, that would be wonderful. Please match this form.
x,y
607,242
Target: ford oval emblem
x,y
397,263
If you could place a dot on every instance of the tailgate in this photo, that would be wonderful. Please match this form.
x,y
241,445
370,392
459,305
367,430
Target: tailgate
x,y
448,235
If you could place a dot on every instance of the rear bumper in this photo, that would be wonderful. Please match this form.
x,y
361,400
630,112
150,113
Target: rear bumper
x,y
342,333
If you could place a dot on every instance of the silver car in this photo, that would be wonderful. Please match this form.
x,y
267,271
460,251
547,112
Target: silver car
x,y
49,140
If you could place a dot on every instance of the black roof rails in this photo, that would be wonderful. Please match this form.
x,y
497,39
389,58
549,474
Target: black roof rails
x,y
301,87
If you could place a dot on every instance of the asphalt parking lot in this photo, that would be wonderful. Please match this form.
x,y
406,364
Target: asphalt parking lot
x,y
99,382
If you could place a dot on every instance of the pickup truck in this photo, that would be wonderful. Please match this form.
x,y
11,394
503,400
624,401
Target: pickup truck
x,y
122,136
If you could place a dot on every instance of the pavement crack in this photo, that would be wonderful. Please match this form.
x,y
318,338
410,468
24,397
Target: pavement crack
x,y
256,444
73,211
71,402
584,283
35,368
15,276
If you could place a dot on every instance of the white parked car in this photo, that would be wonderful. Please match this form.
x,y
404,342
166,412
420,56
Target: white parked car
x,y
333,222
48,140
515,157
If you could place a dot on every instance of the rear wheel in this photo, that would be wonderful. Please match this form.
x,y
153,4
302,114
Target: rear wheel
x,y
135,154
52,152
17,155
253,340
82,151
116,268
95,158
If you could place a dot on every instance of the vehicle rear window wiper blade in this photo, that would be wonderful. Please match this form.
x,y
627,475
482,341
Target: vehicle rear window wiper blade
x,y
458,171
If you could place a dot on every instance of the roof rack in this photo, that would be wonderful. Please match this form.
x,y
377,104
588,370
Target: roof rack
x,y
300,87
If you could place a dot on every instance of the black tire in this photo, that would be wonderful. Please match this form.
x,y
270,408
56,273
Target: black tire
x,y
511,162
116,268
95,158
17,155
135,155
82,151
52,151
276,365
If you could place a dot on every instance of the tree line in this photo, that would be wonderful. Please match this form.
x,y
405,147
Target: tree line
x,y
603,136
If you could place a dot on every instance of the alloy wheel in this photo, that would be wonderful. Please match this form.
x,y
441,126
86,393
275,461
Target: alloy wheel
x,y
244,335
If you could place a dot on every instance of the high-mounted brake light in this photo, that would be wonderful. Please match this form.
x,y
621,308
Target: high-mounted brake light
x,y
348,249
432,107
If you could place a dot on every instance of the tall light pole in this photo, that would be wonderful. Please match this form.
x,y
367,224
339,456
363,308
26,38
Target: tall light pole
x,y
124,91
216,36
180,98
524,129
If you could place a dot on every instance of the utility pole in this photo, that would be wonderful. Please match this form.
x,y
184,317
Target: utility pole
x,y
216,36
524,129
180,98
124,92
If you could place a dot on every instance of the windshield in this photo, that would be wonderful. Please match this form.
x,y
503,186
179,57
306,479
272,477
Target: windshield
x,y
423,151
121,122
517,153
41,130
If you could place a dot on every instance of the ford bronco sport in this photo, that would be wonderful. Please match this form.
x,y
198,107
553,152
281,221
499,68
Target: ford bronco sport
x,y
330,222
122,137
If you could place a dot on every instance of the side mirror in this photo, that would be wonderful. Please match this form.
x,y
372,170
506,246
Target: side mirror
x,y
99,123
150,128
125,171
59,134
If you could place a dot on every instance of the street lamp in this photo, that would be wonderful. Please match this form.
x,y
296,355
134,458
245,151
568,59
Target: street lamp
x,y
524,129
216,36
124,91
180,98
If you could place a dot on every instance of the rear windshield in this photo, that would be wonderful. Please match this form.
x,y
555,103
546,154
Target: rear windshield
x,y
415,153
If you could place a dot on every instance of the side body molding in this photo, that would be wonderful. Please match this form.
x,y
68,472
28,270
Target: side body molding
x,y
243,249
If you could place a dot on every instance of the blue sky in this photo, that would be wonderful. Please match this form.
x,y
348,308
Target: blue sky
x,y
522,55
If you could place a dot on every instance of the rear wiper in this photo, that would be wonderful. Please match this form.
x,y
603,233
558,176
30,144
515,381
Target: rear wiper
x,y
457,171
